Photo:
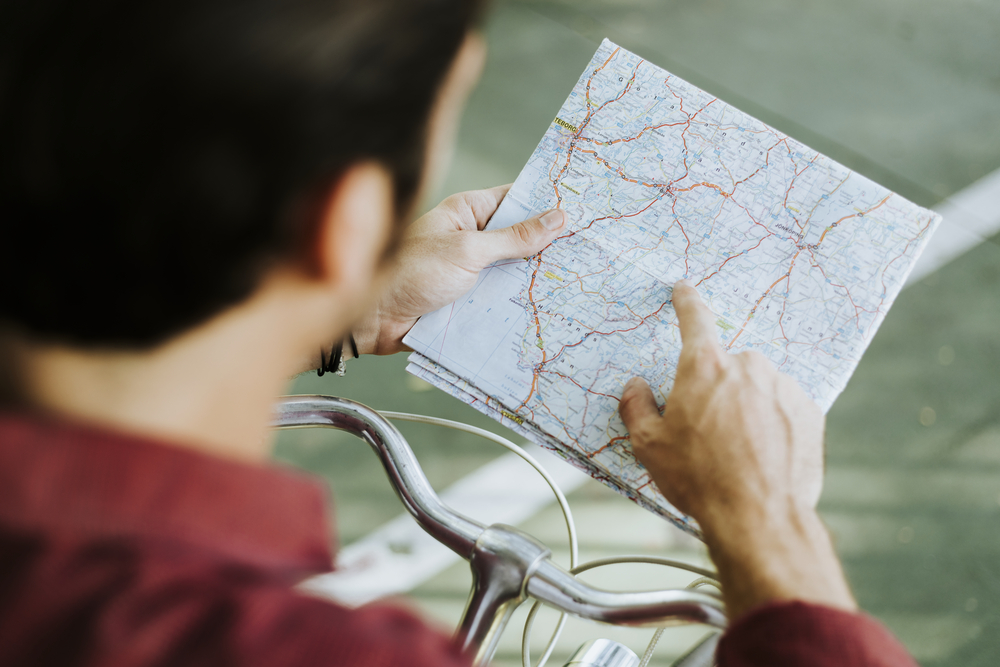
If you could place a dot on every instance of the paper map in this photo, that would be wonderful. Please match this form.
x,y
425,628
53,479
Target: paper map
x,y
799,258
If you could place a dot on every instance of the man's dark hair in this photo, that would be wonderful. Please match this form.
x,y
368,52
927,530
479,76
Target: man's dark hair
x,y
156,157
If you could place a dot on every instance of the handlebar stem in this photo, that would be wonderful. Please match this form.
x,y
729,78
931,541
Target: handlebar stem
x,y
502,564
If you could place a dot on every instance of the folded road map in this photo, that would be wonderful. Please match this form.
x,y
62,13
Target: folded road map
x,y
798,257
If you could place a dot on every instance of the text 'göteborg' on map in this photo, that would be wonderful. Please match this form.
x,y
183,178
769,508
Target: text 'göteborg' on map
x,y
797,256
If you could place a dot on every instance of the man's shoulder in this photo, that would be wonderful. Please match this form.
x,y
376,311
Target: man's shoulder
x,y
120,601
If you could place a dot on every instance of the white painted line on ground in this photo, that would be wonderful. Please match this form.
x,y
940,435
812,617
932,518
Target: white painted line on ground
x,y
970,217
399,556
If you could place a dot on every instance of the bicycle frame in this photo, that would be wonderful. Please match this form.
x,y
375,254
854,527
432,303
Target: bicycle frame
x,y
508,565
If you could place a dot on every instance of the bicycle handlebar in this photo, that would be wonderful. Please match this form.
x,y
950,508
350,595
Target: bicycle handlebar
x,y
457,532
554,586
507,565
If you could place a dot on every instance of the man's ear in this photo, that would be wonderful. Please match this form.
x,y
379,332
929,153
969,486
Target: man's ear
x,y
355,227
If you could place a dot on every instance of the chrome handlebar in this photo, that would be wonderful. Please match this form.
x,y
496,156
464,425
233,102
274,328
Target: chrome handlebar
x,y
457,532
507,564
554,586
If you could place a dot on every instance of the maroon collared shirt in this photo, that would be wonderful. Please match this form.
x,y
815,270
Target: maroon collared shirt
x,y
118,550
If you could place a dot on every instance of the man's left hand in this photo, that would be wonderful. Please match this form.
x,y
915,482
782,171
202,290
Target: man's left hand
x,y
441,255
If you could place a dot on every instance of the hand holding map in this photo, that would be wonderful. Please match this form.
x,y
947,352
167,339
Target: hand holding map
x,y
440,257
798,258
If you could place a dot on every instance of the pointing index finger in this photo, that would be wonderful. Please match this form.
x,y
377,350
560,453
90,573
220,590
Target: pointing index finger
x,y
696,321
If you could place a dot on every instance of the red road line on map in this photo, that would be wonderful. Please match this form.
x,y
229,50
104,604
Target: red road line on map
x,y
589,391
627,139
815,345
762,296
642,321
610,443
791,186
739,254
847,291
569,154
848,217
586,121
538,331
781,318
830,194
644,485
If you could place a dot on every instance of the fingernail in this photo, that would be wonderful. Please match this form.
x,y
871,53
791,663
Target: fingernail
x,y
553,219
685,282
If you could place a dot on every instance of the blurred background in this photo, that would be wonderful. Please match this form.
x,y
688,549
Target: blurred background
x,y
906,92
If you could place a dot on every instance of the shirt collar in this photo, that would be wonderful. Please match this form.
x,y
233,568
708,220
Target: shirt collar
x,y
77,478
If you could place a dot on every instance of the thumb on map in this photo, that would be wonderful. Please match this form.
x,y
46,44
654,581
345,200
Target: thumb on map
x,y
523,239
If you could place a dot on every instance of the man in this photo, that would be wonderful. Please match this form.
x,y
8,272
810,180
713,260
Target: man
x,y
198,197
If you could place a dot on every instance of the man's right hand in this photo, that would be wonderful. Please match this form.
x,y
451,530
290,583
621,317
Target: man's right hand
x,y
739,447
